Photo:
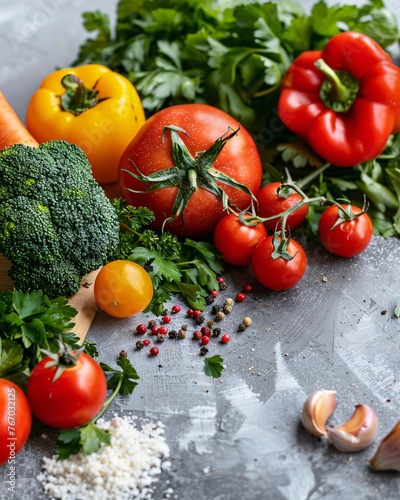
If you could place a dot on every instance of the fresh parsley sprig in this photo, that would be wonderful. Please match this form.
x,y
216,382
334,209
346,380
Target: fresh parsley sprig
x,y
29,322
90,437
188,268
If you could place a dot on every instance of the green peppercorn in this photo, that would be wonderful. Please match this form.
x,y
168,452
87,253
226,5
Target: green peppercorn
x,y
229,302
227,309
219,316
247,321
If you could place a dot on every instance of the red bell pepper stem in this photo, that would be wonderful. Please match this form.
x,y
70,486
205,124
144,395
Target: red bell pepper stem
x,y
339,90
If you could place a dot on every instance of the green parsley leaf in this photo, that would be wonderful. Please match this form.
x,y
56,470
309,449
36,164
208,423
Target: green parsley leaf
x,y
91,348
68,443
124,379
11,356
213,366
92,437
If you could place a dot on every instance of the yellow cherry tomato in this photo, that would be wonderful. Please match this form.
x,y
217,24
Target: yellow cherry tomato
x,y
91,106
123,288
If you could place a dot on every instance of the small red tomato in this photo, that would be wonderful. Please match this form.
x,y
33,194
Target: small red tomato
x,y
271,204
225,338
278,273
348,238
73,399
236,241
154,351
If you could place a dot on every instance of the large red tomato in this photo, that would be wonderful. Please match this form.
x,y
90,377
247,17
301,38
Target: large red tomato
x,y
73,399
15,421
200,126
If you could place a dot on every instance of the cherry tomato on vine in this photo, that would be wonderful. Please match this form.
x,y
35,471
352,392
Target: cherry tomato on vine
x,y
270,204
236,241
278,273
73,399
15,421
123,288
349,237
198,173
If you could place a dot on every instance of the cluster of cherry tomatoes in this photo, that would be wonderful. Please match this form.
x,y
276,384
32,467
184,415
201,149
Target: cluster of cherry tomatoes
x,y
277,262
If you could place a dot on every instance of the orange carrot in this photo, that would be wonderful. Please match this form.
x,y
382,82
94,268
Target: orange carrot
x,y
12,130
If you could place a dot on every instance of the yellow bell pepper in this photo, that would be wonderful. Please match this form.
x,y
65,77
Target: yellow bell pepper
x,y
92,107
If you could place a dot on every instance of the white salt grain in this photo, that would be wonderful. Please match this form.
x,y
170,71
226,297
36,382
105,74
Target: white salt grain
x,y
125,469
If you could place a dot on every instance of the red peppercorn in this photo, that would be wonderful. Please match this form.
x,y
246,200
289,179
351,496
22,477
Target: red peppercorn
x,y
248,288
146,342
240,297
167,318
155,330
205,340
197,335
175,309
220,279
141,329
189,312
163,330
225,338
214,293
206,331
196,313
154,351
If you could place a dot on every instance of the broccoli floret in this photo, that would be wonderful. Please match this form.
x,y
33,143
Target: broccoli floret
x,y
56,223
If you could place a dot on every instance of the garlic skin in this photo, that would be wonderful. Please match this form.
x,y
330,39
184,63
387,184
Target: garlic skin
x,y
318,407
387,456
357,433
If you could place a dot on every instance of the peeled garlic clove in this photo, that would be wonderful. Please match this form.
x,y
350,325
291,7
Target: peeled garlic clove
x,y
318,407
387,456
357,433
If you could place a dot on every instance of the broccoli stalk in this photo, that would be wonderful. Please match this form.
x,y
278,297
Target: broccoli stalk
x,y
56,223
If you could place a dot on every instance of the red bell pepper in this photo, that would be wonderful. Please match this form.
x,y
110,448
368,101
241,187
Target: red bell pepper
x,y
343,100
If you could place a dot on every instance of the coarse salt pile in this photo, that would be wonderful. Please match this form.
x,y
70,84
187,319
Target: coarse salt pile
x,y
125,469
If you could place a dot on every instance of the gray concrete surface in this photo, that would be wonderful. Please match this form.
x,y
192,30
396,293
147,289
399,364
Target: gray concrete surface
x,y
239,437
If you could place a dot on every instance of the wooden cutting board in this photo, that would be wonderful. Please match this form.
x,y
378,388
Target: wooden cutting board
x,y
83,301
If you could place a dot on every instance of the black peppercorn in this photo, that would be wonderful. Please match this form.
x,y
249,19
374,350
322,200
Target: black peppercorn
x,y
123,354
200,319
172,334
216,332
215,309
139,345
203,351
151,324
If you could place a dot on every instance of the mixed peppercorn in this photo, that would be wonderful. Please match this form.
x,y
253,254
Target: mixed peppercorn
x,y
204,330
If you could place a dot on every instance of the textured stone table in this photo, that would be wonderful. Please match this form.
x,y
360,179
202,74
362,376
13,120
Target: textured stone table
x,y
239,437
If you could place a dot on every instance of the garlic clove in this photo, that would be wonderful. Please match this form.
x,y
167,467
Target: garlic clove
x,y
387,456
318,407
357,433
